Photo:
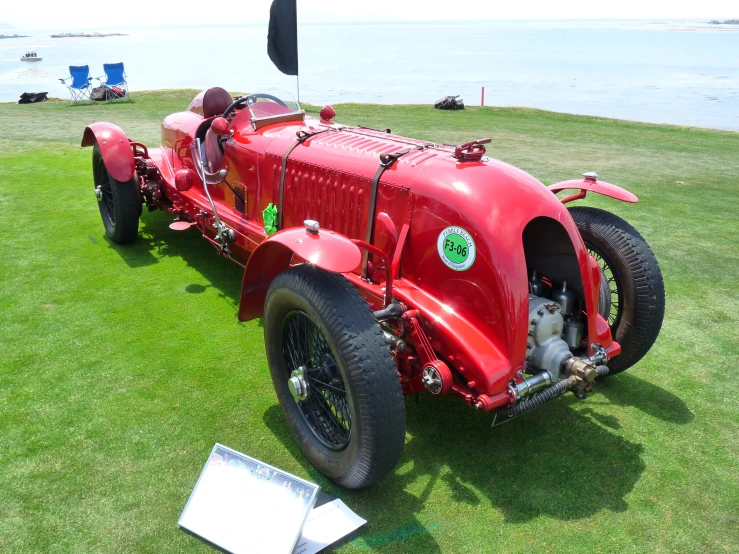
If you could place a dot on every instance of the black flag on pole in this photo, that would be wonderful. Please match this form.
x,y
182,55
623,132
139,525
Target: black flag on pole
x,y
282,38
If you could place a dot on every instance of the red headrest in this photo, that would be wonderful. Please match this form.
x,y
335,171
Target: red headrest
x,y
215,101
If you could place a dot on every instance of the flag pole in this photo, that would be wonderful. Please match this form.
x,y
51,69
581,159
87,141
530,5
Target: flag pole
x,y
297,51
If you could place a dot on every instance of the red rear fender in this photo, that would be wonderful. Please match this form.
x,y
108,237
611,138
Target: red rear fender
x,y
588,185
325,249
114,147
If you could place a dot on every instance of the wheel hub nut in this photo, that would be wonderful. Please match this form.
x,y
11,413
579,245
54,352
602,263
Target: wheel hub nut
x,y
298,385
98,193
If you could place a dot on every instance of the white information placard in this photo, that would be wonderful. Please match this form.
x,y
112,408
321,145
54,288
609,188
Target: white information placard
x,y
326,524
245,506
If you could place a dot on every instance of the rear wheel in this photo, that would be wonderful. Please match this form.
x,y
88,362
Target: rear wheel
x,y
334,376
634,301
119,203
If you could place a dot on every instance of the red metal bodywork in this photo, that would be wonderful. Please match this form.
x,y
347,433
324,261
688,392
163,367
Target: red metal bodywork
x,y
473,321
326,249
591,185
114,147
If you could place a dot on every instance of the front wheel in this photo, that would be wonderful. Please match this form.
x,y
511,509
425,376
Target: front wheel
x,y
634,301
119,203
334,376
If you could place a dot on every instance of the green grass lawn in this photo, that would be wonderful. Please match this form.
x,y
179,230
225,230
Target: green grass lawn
x,y
122,366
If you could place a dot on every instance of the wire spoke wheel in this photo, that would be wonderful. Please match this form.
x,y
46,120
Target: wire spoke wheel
x,y
107,195
334,376
611,309
325,407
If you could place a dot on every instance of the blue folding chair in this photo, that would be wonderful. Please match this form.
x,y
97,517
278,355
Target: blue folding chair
x,y
114,81
79,83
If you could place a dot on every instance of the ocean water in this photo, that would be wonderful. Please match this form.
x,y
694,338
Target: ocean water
x,y
684,73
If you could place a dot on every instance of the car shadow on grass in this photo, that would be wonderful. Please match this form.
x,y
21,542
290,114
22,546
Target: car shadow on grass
x,y
137,254
557,462
631,391
389,509
156,241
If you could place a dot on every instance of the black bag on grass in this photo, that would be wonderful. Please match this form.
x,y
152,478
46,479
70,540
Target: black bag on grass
x,y
98,93
32,97
449,103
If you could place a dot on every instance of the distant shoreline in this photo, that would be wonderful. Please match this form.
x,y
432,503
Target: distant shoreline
x,y
14,36
87,35
636,77
726,22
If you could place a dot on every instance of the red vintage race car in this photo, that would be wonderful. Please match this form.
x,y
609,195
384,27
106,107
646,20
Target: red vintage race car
x,y
386,266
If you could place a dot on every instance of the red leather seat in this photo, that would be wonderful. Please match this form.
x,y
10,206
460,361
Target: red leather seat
x,y
213,154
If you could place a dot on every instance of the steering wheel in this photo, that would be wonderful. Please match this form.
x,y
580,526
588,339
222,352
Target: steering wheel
x,y
251,99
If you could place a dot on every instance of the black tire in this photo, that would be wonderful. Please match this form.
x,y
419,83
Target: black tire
x,y
360,437
637,305
120,203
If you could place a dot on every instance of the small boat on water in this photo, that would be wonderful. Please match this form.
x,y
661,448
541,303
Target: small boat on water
x,y
31,57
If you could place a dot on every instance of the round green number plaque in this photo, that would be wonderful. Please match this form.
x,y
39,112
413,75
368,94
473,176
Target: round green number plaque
x,y
456,248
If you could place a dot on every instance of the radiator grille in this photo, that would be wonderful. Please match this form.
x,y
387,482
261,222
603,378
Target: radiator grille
x,y
337,201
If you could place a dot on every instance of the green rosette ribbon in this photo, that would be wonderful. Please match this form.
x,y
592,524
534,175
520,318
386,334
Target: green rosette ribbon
x,y
270,219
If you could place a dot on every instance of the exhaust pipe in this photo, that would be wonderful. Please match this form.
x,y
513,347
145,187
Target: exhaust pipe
x,y
528,405
580,376
529,386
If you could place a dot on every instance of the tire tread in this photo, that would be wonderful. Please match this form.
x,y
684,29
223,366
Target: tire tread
x,y
374,380
126,204
596,225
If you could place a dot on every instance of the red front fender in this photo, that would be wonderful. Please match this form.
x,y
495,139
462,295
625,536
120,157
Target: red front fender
x,y
325,249
591,185
114,147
